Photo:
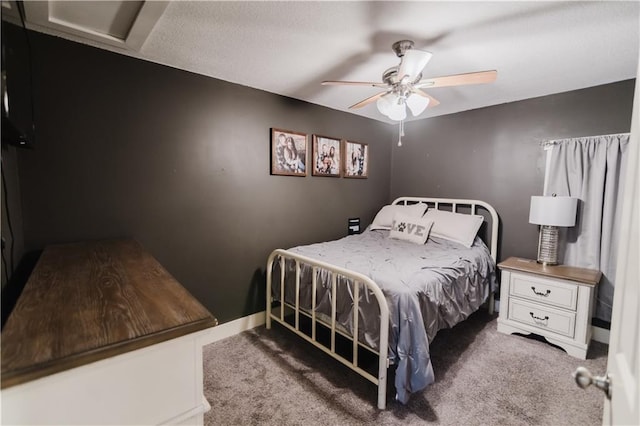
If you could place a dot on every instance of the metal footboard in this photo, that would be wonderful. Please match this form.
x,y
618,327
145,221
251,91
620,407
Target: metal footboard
x,y
355,279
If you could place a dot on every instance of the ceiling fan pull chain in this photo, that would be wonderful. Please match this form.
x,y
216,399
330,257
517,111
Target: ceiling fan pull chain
x,y
401,133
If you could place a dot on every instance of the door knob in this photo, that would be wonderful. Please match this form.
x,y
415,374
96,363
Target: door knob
x,y
584,379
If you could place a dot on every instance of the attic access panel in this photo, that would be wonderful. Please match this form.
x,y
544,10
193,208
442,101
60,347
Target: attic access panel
x,y
125,24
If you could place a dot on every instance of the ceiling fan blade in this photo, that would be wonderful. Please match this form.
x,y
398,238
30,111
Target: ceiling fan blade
x,y
368,100
459,79
413,62
353,83
432,101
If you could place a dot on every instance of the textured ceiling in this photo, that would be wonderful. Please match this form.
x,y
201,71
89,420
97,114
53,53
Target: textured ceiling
x,y
288,48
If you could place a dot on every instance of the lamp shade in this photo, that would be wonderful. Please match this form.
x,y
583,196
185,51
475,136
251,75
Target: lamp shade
x,y
553,211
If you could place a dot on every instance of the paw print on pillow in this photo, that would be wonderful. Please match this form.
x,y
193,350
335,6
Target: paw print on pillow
x,y
402,226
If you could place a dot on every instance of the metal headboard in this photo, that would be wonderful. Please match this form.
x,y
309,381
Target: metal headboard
x,y
470,207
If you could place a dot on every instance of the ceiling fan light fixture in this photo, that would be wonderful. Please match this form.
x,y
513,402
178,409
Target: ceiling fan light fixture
x,y
385,103
393,106
404,81
398,112
417,104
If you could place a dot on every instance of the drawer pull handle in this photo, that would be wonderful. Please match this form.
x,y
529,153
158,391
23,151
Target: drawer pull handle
x,y
539,319
539,293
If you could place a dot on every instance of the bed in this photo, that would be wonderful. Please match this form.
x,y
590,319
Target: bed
x,y
423,264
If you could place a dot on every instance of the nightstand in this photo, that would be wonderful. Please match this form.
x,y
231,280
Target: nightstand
x,y
555,302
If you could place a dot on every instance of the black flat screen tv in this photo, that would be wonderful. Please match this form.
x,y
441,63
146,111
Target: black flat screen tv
x,y
17,90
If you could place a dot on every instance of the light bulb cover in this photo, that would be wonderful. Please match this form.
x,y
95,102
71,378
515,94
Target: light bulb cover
x,y
393,106
398,111
417,104
384,103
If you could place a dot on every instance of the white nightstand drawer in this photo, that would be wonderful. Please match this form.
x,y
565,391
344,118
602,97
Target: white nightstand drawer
x,y
544,290
543,317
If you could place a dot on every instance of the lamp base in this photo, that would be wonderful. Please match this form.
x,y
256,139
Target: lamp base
x,y
548,245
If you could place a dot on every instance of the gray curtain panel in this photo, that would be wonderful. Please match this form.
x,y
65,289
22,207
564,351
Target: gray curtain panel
x,y
591,169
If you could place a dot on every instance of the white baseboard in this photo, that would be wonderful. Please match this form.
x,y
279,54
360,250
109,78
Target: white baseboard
x,y
234,327
249,322
600,334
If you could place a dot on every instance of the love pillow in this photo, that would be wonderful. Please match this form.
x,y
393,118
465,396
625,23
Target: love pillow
x,y
408,228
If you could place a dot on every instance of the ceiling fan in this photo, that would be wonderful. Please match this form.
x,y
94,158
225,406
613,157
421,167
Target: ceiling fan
x,y
403,84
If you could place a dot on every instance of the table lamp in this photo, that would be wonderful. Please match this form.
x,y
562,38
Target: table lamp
x,y
550,212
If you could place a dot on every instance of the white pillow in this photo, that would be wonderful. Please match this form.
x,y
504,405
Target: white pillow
x,y
458,227
408,228
385,216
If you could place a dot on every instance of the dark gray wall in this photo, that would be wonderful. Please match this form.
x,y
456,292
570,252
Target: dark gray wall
x,y
179,161
127,148
494,154
11,214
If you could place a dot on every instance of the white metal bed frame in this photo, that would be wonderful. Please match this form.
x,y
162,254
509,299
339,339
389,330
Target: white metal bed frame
x,y
357,278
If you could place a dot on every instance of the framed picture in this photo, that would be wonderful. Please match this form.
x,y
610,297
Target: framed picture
x,y
356,160
288,153
326,156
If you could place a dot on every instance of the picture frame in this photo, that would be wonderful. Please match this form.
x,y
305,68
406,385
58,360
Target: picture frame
x,y
356,160
326,156
288,153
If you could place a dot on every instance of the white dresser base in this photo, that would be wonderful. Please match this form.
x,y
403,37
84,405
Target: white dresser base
x,y
158,384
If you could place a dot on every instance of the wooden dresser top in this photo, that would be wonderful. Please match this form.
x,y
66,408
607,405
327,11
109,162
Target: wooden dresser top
x,y
572,273
89,301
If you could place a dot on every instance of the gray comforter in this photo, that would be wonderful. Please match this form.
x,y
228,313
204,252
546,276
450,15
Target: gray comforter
x,y
428,287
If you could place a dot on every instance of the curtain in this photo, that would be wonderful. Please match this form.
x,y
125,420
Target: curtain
x,y
591,169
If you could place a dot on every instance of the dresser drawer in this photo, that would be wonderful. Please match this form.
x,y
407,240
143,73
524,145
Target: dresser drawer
x,y
543,290
542,317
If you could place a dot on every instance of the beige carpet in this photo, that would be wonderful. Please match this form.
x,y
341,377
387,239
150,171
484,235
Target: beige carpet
x,y
271,377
